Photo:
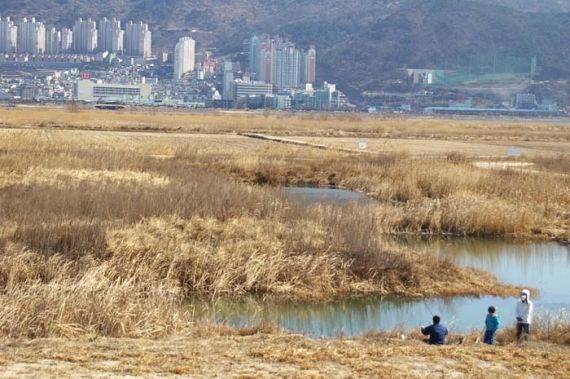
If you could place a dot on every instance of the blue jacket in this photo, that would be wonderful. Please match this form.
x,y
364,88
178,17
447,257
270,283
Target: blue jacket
x,y
492,323
436,334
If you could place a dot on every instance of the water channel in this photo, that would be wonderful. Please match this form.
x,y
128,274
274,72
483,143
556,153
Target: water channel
x,y
545,266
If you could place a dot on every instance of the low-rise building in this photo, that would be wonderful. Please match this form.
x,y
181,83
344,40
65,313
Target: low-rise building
x,y
249,89
282,102
328,98
87,90
28,92
525,101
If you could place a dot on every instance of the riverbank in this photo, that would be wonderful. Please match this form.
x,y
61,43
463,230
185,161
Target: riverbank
x,y
276,355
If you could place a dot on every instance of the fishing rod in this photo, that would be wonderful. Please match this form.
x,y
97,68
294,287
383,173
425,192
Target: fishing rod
x,y
428,308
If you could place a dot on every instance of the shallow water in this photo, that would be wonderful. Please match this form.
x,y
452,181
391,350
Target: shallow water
x,y
324,196
544,266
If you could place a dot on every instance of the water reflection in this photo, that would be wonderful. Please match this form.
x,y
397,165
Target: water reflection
x,y
356,317
545,266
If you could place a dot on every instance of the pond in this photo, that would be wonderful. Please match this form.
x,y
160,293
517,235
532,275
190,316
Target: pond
x,y
544,266
324,196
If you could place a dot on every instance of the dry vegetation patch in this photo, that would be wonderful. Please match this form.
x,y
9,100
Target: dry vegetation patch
x,y
71,177
278,355
443,196
282,124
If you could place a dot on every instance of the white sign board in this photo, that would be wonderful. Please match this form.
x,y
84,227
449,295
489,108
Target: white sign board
x,y
514,152
363,145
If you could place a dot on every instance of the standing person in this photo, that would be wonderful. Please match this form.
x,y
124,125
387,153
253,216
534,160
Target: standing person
x,y
523,314
436,332
492,323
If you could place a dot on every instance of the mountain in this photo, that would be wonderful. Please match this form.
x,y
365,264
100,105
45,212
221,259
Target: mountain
x,y
427,34
361,43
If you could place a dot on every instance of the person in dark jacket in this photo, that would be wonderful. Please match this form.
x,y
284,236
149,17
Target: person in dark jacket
x,y
436,332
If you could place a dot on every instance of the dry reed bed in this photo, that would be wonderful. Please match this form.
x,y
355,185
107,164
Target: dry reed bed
x,y
445,196
340,125
90,244
559,164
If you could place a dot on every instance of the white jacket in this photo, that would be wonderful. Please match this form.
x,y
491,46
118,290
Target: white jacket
x,y
524,310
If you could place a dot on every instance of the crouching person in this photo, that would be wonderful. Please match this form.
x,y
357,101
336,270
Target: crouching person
x,y
436,332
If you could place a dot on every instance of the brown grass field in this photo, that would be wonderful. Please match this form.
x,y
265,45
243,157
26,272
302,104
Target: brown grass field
x,y
253,354
283,124
109,221
417,147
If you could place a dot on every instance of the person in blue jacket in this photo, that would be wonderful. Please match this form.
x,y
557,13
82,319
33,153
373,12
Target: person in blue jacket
x,y
436,332
492,323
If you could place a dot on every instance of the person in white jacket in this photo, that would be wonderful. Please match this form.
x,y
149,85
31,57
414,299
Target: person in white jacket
x,y
523,314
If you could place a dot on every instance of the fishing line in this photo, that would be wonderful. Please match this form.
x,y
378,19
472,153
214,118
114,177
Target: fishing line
x,y
428,308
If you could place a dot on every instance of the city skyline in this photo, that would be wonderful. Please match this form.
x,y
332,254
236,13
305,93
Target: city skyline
x,y
279,61
85,36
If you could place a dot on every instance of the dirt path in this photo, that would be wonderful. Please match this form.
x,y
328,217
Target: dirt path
x,y
274,356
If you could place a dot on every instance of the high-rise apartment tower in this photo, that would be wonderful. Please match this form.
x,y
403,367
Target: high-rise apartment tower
x,y
280,62
110,36
66,40
8,35
138,40
53,41
84,36
31,36
184,57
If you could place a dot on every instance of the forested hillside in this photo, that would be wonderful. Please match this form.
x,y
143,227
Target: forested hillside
x,y
360,43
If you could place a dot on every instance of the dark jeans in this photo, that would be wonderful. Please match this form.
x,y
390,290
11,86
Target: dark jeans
x,y
489,337
522,327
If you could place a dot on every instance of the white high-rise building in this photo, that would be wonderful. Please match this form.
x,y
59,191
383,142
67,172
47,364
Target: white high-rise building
x,y
66,40
228,93
84,36
287,64
53,41
110,35
31,36
184,57
138,40
8,35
